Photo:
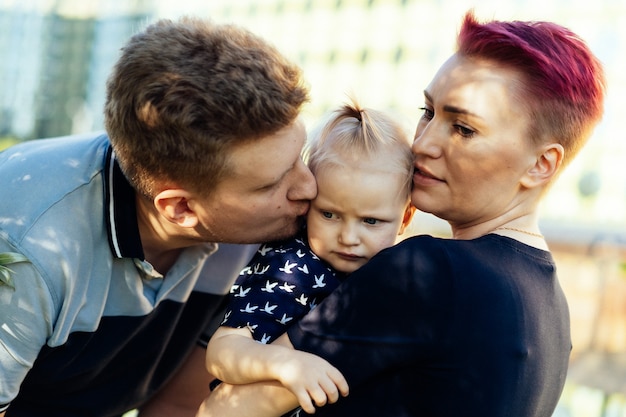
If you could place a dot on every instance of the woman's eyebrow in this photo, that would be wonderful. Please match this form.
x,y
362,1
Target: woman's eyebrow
x,y
450,108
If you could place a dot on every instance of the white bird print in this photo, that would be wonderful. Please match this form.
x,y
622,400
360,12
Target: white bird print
x,y
313,304
226,316
268,308
234,288
300,241
284,319
258,270
319,281
247,270
248,309
299,253
242,292
264,249
314,256
269,286
287,288
265,339
287,269
251,327
304,269
302,299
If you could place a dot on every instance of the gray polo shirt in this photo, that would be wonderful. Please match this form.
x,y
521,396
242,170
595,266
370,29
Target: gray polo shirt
x,y
90,328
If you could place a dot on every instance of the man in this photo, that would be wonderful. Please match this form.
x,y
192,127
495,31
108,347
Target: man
x,y
120,230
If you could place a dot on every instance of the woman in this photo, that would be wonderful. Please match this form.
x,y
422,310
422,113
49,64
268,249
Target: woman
x,y
476,325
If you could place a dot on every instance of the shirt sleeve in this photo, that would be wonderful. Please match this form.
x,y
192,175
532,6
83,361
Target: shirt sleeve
x,y
26,317
387,312
218,274
222,268
279,286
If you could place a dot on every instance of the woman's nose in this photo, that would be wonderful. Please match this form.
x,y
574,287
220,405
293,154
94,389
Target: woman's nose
x,y
425,142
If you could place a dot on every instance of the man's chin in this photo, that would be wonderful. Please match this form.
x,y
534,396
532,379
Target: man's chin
x,y
288,231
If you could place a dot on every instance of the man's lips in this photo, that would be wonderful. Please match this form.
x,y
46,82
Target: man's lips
x,y
304,211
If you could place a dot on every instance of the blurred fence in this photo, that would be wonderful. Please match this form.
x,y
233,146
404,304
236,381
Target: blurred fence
x,y
592,268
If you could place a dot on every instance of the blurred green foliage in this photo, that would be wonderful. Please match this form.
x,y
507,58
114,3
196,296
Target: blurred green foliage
x,y
5,142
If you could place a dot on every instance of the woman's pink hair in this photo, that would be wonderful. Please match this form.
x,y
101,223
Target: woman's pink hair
x,y
562,83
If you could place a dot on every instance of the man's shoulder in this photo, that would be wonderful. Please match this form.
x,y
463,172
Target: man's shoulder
x,y
45,182
52,160
65,150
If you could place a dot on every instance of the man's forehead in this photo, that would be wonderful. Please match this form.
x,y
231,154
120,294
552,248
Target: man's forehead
x,y
266,159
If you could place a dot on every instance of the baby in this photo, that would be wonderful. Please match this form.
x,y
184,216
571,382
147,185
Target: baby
x,y
362,161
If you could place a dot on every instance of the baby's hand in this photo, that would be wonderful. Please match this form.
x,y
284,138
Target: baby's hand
x,y
311,379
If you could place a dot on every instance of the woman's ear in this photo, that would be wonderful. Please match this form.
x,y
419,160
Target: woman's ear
x,y
408,216
546,166
173,205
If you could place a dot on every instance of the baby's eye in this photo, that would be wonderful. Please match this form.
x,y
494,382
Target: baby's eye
x,y
370,220
327,214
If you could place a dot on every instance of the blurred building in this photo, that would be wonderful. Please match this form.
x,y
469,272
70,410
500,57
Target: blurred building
x,y
55,57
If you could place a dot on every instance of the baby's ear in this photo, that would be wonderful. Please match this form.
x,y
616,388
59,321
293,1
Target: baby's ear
x,y
173,205
408,216
546,166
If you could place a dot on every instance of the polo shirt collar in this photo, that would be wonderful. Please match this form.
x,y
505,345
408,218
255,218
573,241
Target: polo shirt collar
x,y
120,211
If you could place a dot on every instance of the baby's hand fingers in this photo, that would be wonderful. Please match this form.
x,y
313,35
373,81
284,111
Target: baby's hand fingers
x,y
304,399
340,382
319,395
330,390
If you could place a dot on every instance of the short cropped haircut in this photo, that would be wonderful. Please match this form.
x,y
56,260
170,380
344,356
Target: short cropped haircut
x,y
562,84
361,133
184,92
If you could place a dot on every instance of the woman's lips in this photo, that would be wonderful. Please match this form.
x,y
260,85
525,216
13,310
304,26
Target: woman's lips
x,y
423,177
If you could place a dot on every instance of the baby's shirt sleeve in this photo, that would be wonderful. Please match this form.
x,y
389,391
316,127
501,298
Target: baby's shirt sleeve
x,y
282,282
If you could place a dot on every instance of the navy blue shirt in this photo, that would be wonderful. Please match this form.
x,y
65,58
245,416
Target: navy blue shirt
x,y
283,282
446,328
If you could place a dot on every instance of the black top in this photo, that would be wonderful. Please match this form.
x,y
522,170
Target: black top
x,y
438,327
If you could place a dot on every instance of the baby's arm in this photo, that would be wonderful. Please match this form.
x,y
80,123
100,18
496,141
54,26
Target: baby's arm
x,y
235,357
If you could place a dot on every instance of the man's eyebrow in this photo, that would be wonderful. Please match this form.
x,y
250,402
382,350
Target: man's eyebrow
x,y
451,109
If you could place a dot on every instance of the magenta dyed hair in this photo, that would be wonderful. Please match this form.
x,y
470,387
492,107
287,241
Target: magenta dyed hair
x,y
562,81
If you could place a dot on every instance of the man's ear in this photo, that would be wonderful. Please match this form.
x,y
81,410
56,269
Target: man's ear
x,y
173,204
408,216
546,166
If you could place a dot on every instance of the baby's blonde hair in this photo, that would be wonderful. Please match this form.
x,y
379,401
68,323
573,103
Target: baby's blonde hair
x,y
361,133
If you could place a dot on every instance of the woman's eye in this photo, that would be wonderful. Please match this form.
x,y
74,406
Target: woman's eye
x,y
428,113
464,131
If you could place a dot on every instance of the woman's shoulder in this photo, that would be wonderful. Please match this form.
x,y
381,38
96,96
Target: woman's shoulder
x,y
426,252
422,254
421,244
